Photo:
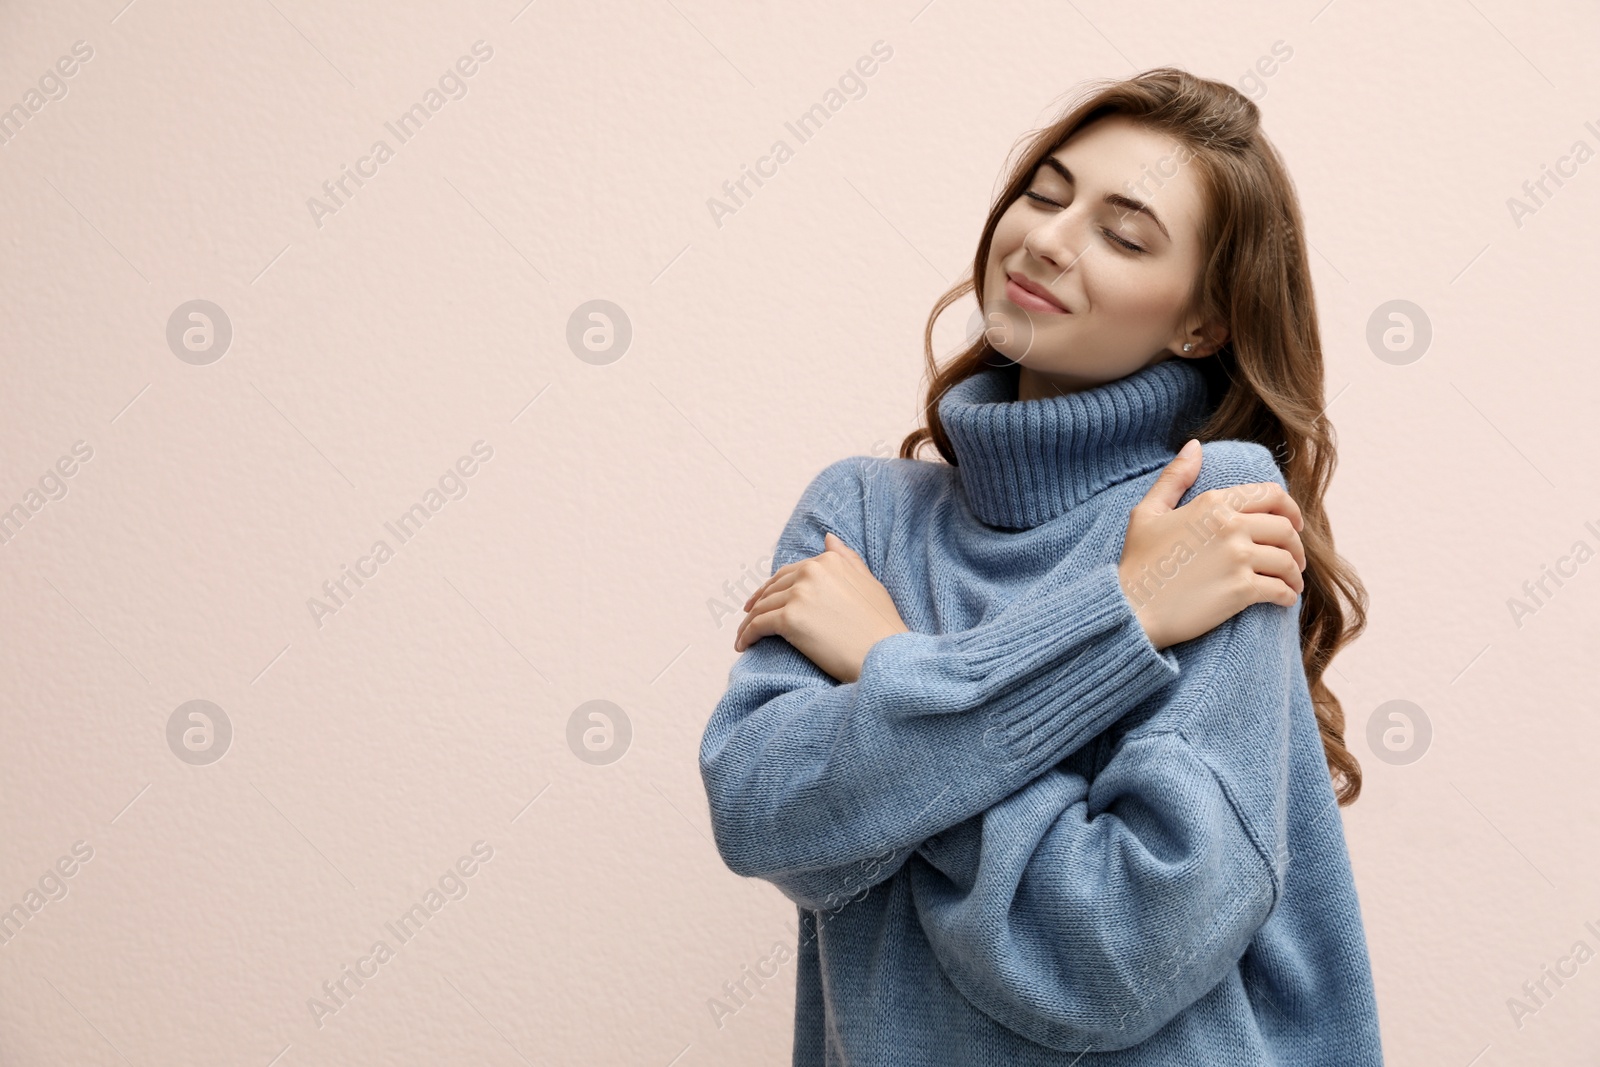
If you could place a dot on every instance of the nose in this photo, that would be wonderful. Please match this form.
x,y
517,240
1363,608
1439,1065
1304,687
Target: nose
x,y
1056,240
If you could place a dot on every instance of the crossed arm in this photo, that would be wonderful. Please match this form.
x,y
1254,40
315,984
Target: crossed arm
x,y
1077,915
825,788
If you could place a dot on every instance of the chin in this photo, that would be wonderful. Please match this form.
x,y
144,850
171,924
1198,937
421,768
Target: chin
x,y
1018,328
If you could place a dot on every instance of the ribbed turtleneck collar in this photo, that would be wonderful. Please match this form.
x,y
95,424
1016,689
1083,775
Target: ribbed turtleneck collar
x,y
1024,462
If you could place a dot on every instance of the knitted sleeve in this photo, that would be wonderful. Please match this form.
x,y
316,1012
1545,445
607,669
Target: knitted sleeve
x,y
1087,916
825,789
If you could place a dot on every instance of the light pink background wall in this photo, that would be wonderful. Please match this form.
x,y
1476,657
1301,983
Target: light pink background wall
x,y
374,344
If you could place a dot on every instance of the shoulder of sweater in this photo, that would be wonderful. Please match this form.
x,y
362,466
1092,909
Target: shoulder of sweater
x,y
1229,462
847,476
836,497
843,489
896,475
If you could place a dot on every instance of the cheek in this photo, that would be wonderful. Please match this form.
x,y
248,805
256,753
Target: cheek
x,y
1124,289
1008,235
994,268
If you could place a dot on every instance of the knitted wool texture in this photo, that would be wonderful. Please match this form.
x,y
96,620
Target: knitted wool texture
x,y
1024,836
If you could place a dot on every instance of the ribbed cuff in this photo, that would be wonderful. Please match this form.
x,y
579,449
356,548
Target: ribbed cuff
x,y
1070,657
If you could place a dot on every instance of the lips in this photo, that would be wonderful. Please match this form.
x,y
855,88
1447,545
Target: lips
x,y
1029,294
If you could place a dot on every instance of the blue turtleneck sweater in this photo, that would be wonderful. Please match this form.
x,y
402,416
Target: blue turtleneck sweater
x,y
1025,836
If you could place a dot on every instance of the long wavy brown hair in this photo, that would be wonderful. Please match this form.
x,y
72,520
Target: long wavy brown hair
x,y
1266,381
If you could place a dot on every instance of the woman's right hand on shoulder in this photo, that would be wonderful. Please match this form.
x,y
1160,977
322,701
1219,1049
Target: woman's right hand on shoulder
x,y
1187,569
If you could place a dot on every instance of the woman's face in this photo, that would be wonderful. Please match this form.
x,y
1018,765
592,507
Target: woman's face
x,y
1112,236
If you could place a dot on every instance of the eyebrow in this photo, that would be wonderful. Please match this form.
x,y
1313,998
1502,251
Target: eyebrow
x,y
1114,199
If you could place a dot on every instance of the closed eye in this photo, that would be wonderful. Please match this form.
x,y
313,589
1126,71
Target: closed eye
x,y
1129,245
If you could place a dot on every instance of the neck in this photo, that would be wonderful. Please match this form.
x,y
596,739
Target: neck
x,y
1037,385
1023,462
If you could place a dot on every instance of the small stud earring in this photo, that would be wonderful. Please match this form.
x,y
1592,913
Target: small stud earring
x,y
1188,346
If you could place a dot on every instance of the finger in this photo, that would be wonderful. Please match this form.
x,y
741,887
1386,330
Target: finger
x,y
786,576
832,542
1270,497
751,599
838,546
786,569
762,604
764,622
1175,479
1270,561
1272,591
782,580
1276,530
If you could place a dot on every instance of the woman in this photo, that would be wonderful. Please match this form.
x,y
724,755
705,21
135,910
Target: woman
x,y
1044,755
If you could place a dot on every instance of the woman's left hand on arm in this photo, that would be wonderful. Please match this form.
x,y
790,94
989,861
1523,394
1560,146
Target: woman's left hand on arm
x,y
829,606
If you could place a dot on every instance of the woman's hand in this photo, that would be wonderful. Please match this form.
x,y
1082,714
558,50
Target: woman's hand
x,y
830,607
1185,570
